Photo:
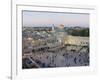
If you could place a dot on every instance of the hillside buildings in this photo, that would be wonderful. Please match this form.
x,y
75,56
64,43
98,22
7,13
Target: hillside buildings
x,y
53,47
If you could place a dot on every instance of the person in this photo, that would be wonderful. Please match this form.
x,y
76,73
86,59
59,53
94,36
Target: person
x,y
75,60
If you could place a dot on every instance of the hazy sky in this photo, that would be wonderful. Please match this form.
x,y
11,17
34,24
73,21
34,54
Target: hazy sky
x,y
31,19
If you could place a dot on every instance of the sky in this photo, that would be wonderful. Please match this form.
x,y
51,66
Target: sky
x,y
33,18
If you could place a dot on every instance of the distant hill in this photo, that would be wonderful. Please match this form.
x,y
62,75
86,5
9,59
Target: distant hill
x,y
78,31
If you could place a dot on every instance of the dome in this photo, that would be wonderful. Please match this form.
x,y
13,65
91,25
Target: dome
x,y
61,26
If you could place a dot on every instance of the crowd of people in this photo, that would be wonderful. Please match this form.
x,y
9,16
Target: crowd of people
x,y
59,57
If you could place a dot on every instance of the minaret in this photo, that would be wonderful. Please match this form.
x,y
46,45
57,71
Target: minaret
x,y
53,29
